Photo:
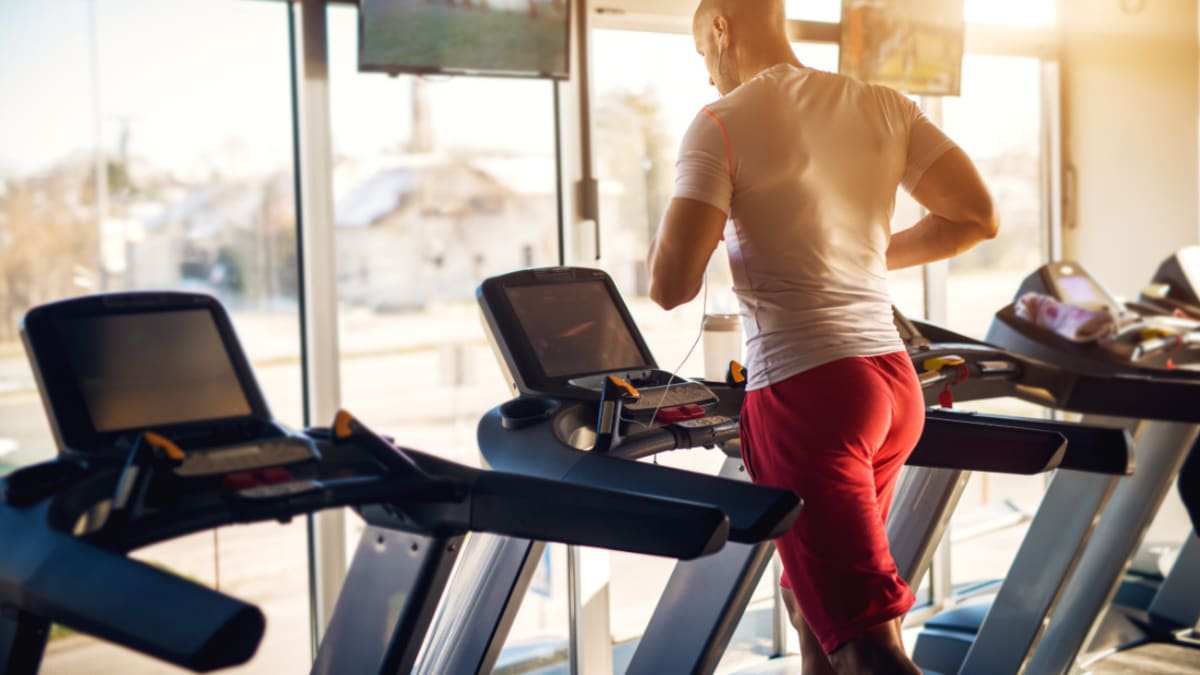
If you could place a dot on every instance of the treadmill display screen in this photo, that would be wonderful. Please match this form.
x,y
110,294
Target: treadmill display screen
x,y
575,328
140,370
1079,290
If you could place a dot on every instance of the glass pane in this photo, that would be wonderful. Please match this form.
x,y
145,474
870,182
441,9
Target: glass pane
x,y
194,139
433,194
429,202
649,87
997,120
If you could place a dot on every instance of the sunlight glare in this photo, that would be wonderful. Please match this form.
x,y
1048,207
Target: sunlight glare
x,y
1024,13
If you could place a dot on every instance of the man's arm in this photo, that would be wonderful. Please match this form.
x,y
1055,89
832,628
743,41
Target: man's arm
x,y
960,214
679,255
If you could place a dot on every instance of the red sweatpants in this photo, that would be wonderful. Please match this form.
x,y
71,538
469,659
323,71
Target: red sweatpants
x,y
837,436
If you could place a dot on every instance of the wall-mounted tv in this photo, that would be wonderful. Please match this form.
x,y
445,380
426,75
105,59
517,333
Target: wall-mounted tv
x,y
513,38
915,46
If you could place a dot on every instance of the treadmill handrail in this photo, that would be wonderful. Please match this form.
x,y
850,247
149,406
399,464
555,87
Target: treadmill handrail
x,y
546,510
1135,392
755,512
66,580
980,443
1090,448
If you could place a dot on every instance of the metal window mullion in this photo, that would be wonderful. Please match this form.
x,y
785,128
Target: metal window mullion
x,y
327,536
1052,159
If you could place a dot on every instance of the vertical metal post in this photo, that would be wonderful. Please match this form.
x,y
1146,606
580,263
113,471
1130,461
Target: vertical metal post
x,y
591,634
569,126
587,192
100,163
559,159
327,540
1052,164
573,603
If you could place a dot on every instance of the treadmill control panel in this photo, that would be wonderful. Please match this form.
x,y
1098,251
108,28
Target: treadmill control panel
x,y
246,457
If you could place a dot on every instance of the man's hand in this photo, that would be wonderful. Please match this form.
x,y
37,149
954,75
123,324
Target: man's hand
x,y
960,214
679,255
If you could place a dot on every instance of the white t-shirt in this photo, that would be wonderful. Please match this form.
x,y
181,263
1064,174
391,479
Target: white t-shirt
x,y
806,164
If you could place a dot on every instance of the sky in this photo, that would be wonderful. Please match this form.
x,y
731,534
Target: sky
x,y
205,83
188,77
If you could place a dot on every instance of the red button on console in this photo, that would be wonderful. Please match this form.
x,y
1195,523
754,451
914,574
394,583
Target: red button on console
x,y
679,413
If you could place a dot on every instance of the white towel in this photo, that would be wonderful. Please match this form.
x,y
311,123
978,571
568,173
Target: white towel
x,y
1077,324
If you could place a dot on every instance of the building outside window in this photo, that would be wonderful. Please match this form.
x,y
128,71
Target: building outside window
x,y
137,153
439,183
140,154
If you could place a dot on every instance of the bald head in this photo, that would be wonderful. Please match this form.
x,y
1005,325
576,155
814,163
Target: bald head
x,y
759,14
740,38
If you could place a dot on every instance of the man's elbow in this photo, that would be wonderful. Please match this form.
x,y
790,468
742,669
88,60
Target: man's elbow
x,y
665,297
988,226
668,292
984,222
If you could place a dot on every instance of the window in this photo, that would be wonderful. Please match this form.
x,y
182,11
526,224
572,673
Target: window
x,y
648,89
431,197
997,121
193,141
439,183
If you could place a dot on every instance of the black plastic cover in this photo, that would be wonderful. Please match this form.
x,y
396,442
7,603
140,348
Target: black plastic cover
x,y
951,440
69,581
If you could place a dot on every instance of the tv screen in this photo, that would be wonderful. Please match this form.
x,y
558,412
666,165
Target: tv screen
x,y
518,38
575,329
914,46
141,370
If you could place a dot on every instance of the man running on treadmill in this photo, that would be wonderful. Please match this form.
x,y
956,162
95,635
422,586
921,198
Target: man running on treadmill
x,y
804,166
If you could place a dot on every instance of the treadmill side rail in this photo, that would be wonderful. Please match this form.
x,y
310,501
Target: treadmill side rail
x,y
376,631
1035,582
699,610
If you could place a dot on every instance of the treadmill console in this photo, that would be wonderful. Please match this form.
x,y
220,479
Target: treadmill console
x,y
1070,283
111,368
562,331
1176,284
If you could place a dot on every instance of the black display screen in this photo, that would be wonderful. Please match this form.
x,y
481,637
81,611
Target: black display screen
x,y
144,369
575,328
524,38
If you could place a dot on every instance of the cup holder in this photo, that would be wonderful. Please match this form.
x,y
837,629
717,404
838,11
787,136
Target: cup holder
x,y
33,483
525,412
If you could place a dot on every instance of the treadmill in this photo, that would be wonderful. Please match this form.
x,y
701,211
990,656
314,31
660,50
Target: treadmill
x,y
1154,617
589,404
953,368
163,431
1126,377
1176,291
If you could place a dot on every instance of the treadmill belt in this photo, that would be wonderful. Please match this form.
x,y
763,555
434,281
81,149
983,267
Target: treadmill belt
x,y
1156,658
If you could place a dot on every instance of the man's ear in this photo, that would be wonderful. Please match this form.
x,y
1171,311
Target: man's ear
x,y
720,28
